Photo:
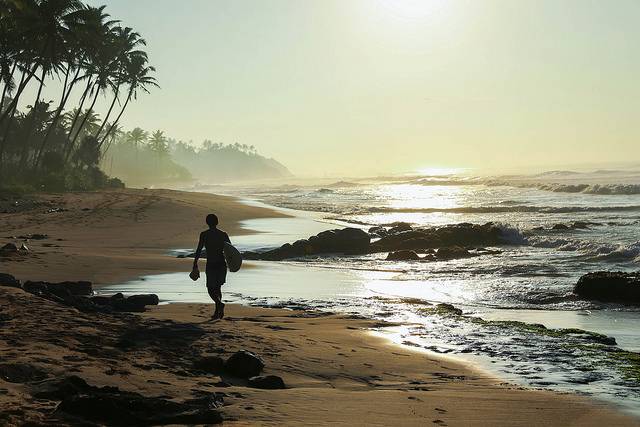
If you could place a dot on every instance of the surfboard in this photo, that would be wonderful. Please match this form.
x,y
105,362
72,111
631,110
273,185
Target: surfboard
x,y
232,256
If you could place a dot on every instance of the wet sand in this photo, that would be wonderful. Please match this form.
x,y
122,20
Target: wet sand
x,y
336,371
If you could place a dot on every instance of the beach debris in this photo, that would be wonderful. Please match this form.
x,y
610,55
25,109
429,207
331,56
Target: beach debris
x,y
113,406
267,382
610,286
244,364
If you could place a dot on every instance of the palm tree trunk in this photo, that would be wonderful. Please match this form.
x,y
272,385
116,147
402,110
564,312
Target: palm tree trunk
x,y
6,86
32,122
54,121
75,117
14,102
12,109
104,122
117,118
84,120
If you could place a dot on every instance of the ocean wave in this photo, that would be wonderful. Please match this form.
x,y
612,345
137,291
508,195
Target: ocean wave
x,y
503,209
592,251
596,189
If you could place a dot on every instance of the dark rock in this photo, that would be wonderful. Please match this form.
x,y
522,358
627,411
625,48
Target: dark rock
x,y
403,256
9,248
450,235
344,241
74,288
209,364
20,373
144,299
9,280
399,227
448,309
112,406
244,364
560,227
378,231
267,382
610,286
453,252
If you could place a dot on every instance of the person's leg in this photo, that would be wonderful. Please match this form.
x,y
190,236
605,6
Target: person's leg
x,y
213,293
218,294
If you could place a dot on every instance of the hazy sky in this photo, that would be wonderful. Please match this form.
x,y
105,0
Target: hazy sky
x,y
377,86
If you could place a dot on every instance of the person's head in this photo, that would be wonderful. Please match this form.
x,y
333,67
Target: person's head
x,y
212,220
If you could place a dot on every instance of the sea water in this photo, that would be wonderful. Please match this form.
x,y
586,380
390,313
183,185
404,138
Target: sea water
x,y
528,282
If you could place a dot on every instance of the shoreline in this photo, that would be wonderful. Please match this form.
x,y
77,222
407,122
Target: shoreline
x,y
342,385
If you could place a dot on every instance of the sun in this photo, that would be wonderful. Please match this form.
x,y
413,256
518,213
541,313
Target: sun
x,y
412,9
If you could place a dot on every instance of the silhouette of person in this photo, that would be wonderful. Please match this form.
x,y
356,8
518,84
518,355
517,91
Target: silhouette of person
x,y
213,241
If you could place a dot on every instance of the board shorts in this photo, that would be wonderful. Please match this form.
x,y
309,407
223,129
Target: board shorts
x,y
216,276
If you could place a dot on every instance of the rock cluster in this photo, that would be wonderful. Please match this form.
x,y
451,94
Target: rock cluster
x,y
241,364
84,403
401,240
79,294
342,241
610,286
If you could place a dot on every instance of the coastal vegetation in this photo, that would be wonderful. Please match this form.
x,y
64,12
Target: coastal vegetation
x,y
58,145
140,157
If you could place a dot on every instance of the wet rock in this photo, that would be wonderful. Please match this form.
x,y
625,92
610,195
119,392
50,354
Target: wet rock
x,y
378,231
610,286
403,256
267,382
144,299
344,241
9,280
448,309
463,234
453,252
133,303
209,364
244,364
399,227
560,227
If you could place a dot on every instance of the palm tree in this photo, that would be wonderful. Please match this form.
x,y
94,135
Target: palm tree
x,y
137,137
103,64
126,41
138,78
41,25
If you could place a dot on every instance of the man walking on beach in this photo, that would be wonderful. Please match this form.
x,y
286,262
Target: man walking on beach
x,y
213,241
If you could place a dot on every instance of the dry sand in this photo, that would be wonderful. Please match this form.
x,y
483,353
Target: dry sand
x,y
337,373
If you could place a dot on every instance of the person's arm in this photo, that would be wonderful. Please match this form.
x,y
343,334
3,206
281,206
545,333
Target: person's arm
x,y
226,238
198,251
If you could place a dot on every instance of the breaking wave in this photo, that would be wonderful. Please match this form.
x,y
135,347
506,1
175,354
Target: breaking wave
x,y
592,251
502,209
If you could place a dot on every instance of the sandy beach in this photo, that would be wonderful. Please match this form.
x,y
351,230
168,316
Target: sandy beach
x,y
335,370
